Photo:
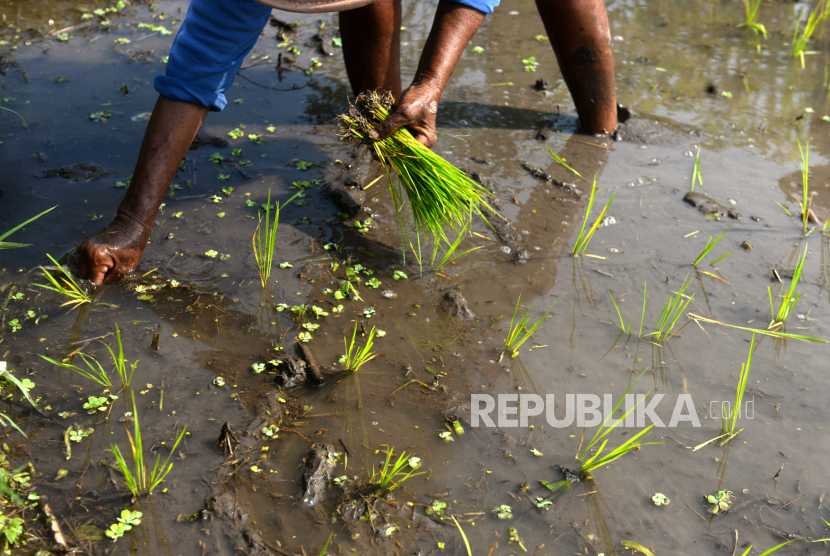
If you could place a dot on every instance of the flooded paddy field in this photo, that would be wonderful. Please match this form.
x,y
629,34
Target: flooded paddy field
x,y
274,462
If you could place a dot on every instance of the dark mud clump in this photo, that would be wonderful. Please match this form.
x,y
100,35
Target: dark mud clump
x,y
454,304
202,140
291,373
710,207
319,464
80,171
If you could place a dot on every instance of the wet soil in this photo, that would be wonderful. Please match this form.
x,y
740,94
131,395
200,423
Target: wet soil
x,y
198,290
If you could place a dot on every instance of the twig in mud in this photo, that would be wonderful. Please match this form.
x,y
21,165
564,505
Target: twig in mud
x,y
54,526
694,510
407,384
298,433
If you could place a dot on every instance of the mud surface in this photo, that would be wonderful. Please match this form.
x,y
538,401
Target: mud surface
x,y
269,427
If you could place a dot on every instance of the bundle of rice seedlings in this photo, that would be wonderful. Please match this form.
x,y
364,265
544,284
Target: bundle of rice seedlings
x,y
440,195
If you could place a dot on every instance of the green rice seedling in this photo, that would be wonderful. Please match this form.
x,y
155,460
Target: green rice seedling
x,y
519,331
785,209
326,546
801,37
96,372
728,423
709,246
806,201
463,536
622,324
634,443
7,377
671,313
788,298
697,177
449,254
64,285
10,245
771,550
751,8
771,333
583,239
561,162
356,356
138,479
264,246
122,366
386,477
440,195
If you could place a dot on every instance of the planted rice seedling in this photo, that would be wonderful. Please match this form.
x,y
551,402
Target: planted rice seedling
x,y
728,423
622,324
64,285
122,367
356,356
386,477
9,379
10,245
697,177
711,245
806,201
96,372
583,239
326,546
634,443
671,313
561,162
440,195
771,550
772,333
138,479
751,8
788,298
801,37
519,332
264,246
449,254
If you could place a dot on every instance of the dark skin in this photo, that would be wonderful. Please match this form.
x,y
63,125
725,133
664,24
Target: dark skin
x,y
371,49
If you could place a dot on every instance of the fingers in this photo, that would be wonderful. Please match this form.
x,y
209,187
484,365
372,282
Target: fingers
x,y
96,263
426,138
394,122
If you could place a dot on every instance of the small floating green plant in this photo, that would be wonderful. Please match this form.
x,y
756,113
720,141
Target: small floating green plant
x,y
519,331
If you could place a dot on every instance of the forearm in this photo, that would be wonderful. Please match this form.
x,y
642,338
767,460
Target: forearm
x,y
170,131
454,26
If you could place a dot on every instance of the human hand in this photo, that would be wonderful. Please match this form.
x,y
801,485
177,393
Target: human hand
x,y
114,252
416,110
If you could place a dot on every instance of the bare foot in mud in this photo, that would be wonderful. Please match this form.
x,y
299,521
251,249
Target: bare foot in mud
x,y
113,252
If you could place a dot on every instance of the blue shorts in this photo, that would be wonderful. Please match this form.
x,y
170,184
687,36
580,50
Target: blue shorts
x,y
212,43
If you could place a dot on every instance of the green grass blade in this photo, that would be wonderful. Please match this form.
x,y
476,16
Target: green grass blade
x,y
13,230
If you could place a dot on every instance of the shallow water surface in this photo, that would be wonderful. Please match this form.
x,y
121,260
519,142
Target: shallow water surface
x,y
198,290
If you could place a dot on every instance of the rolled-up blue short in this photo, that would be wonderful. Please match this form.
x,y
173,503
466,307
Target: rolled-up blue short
x,y
212,43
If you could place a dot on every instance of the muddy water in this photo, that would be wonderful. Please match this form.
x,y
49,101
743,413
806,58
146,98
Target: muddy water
x,y
218,320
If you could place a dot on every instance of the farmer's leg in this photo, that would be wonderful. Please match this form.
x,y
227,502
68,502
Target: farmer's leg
x,y
372,46
213,41
581,39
